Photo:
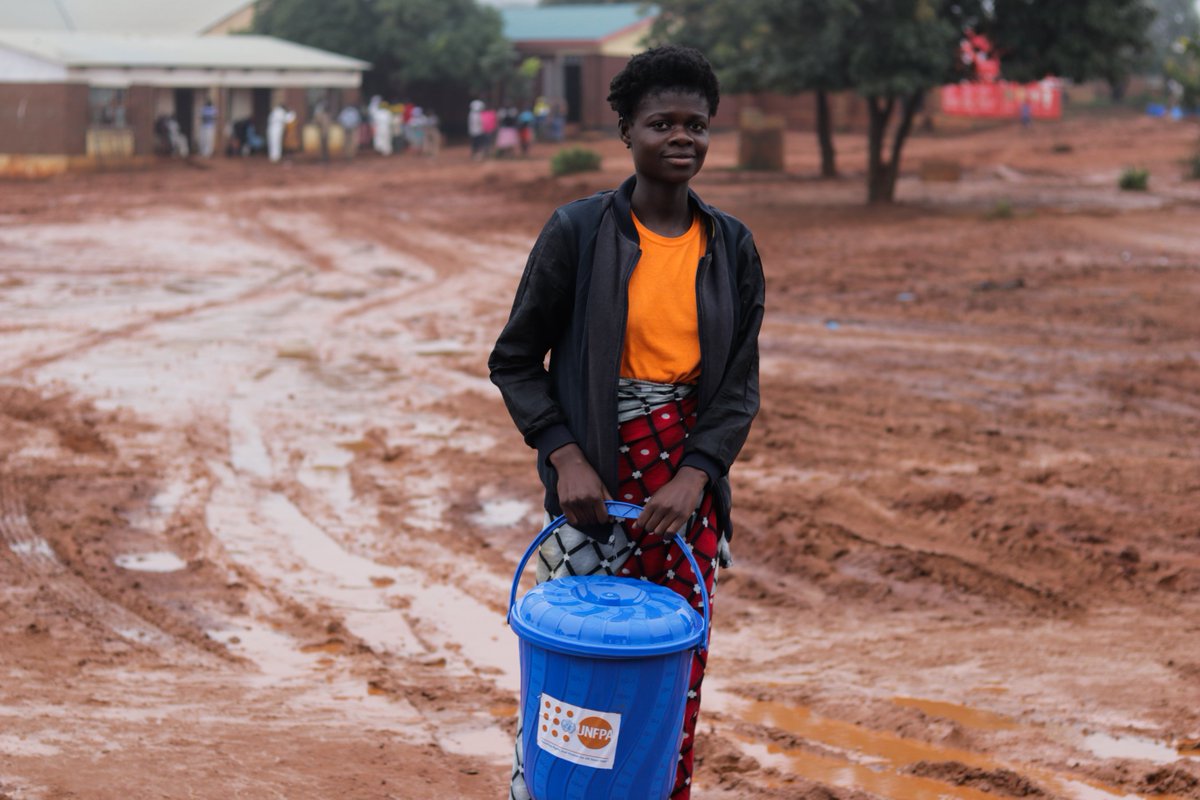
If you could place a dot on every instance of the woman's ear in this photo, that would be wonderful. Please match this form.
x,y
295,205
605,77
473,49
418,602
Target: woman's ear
x,y
623,130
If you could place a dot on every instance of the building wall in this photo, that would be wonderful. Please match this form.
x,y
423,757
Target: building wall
x,y
139,114
43,118
848,110
598,72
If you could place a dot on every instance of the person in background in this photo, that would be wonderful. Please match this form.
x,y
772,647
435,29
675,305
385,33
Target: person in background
x,y
648,302
433,134
179,142
541,117
381,125
277,121
558,121
399,142
208,128
507,137
525,124
490,122
350,118
475,130
414,129
324,122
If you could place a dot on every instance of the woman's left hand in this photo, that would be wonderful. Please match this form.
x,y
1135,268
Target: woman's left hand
x,y
671,506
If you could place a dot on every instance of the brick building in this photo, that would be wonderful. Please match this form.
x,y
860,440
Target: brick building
x,y
581,47
79,99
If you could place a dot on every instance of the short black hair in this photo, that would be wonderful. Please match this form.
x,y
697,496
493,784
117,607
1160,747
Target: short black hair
x,y
663,69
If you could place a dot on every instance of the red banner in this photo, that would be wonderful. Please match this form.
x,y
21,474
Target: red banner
x,y
1003,99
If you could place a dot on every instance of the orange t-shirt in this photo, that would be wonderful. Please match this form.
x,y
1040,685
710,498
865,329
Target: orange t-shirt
x,y
662,335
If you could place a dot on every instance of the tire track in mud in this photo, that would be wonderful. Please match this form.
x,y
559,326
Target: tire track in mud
x,y
878,559
37,560
275,285
293,542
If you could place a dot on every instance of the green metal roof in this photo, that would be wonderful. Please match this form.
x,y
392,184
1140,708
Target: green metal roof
x,y
591,22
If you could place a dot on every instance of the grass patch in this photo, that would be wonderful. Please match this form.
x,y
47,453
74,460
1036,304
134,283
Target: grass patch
x,y
571,160
1134,179
1003,209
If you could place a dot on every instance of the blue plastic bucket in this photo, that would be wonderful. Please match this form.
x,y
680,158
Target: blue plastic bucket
x,y
605,663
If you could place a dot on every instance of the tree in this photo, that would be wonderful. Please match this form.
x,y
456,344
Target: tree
x,y
767,45
893,51
423,49
900,50
818,35
890,51
1174,22
1183,68
1080,40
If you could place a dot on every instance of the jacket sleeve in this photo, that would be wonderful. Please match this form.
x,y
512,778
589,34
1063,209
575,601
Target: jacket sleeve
x,y
540,313
719,434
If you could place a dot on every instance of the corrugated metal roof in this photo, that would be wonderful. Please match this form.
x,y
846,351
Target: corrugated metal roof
x,y
590,22
126,16
87,49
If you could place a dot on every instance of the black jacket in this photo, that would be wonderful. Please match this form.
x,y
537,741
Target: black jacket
x,y
572,303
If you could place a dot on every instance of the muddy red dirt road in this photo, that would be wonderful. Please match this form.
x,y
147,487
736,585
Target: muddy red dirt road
x,y
259,505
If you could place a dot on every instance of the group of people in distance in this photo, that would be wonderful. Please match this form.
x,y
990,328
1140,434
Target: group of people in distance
x,y
507,132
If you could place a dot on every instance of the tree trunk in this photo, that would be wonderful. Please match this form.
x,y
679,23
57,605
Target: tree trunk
x,y
881,175
879,188
825,135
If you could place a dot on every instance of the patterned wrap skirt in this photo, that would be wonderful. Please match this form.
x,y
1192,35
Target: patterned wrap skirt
x,y
654,422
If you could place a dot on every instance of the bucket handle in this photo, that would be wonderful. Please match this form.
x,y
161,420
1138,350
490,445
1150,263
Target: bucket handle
x,y
624,511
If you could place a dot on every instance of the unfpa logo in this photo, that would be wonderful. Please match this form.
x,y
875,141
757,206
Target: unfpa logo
x,y
595,733
580,735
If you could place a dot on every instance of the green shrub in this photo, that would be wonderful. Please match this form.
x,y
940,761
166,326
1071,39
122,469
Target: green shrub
x,y
570,160
1134,179
1003,209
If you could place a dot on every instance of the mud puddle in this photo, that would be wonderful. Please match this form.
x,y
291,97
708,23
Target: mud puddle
x,y
856,757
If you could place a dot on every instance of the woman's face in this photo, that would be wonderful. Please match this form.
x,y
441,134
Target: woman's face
x,y
668,136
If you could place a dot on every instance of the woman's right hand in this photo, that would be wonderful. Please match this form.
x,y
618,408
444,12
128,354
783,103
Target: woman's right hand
x,y
581,493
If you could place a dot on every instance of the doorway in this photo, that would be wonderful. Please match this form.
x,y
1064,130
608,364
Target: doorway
x,y
185,109
573,89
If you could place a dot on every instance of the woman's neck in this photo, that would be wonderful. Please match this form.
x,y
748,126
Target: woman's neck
x,y
663,208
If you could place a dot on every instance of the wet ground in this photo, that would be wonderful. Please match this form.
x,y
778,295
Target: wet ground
x,y
259,505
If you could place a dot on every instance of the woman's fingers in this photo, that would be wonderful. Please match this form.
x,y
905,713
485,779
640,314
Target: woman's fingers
x,y
660,520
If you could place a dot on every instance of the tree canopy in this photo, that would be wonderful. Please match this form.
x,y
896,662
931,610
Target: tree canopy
x,y
416,47
892,51
1080,40
1174,22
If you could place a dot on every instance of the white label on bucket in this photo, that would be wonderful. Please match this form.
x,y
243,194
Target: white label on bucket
x,y
579,735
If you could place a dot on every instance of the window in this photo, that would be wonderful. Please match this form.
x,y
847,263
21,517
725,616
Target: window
x,y
107,107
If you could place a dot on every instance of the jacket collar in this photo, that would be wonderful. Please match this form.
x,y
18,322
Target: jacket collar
x,y
623,205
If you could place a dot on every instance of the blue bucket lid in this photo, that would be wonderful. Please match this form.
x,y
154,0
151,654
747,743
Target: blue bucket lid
x,y
606,617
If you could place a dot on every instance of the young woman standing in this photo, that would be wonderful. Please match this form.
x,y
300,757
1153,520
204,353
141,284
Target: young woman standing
x,y
649,303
